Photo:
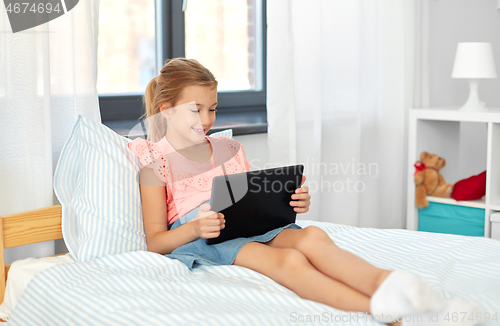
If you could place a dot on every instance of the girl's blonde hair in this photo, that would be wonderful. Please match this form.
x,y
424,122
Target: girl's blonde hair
x,y
176,74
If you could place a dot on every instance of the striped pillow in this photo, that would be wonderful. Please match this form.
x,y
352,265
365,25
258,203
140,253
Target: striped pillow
x,y
96,182
224,133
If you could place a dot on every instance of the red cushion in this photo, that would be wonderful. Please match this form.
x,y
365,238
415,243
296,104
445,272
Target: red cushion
x,y
470,188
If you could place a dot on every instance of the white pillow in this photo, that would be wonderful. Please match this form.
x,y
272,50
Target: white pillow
x,y
224,133
96,182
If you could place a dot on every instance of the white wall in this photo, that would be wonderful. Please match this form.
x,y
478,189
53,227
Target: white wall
x,y
451,22
255,146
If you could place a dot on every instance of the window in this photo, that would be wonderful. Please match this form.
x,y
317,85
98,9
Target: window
x,y
231,26
126,56
137,36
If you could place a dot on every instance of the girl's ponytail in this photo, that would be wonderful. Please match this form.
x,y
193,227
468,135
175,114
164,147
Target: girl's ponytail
x,y
176,74
149,96
155,124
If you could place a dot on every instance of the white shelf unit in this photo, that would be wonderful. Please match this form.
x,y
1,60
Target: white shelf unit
x,y
443,131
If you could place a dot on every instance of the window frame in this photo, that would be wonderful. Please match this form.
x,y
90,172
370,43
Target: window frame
x,y
172,36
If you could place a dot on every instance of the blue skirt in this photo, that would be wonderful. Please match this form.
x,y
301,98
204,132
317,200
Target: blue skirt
x,y
197,252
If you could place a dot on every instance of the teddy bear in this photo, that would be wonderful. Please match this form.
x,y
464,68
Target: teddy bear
x,y
428,179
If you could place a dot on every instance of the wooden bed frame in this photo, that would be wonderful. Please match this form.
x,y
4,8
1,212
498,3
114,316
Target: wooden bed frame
x,y
28,227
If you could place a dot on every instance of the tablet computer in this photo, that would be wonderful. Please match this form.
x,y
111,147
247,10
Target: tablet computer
x,y
255,202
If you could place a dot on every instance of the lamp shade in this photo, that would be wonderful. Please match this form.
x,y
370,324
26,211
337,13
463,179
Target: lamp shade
x,y
474,60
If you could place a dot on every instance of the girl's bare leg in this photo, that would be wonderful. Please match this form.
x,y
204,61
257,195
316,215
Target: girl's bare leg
x,y
290,268
331,260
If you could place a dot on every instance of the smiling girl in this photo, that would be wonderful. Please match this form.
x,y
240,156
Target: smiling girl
x,y
180,161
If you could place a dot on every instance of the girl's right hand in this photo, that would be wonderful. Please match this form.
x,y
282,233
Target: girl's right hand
x,y
207,224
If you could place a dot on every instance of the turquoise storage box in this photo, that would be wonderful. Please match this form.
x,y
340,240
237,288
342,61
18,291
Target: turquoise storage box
x,y
445,218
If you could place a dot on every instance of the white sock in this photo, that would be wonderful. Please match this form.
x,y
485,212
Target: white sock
x,y
403,293
453,309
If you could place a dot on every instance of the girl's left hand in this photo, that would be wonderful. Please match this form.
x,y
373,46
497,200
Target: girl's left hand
x,y
301,199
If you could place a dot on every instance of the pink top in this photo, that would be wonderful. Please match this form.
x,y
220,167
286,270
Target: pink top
x,y
189,183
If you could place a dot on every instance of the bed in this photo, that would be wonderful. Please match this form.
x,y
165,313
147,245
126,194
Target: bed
x,y
140,287
111,279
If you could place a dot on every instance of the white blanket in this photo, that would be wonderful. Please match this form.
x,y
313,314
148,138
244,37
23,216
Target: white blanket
x,y
149,289
20,274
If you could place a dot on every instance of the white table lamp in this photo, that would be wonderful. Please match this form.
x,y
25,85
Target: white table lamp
x,y
474,61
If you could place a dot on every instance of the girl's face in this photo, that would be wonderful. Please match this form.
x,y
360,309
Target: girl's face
x,y
193,115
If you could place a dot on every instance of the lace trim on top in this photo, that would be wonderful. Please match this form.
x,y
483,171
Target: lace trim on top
x,y
151,155
189,189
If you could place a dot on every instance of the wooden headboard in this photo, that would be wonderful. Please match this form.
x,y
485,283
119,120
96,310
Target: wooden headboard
x,y
28,227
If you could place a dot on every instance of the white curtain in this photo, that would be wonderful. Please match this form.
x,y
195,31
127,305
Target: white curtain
x,y
341,77
48,77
